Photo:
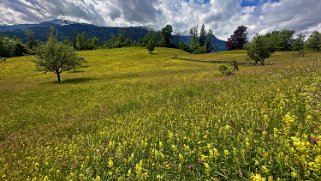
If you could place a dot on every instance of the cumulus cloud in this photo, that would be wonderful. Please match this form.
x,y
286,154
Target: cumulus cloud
x,y
221,16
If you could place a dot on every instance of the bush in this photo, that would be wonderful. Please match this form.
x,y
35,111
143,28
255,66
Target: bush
x,y
151,46
225,70
235,65
184,47
200,50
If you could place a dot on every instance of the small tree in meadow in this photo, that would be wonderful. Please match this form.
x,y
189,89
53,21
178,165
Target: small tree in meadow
x,y
258,50
56,57
150,46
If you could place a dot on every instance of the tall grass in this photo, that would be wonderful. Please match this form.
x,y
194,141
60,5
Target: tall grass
x,y
131,115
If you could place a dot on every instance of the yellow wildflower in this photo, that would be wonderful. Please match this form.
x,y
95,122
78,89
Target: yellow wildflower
x,y
110,163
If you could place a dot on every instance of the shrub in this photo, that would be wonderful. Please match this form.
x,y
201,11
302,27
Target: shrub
x,y
151,46
225,70
235,65
184,47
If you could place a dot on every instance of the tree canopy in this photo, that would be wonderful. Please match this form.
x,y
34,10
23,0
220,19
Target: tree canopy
x,y
314,41
56,57
258,49
238,39
200,42
167,36
298,43
10,47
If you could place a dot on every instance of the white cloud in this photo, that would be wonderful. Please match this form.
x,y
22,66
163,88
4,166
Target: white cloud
x,y
221,16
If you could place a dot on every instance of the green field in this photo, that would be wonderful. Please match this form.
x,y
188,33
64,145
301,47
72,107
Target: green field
x,y
131,115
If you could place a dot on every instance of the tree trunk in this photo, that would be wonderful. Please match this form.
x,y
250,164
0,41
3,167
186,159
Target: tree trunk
x,y
58,75
262,62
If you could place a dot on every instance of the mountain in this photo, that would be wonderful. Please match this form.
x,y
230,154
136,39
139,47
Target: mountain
x,y
69,29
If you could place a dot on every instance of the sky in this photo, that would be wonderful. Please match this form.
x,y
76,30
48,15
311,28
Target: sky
x,y
222,16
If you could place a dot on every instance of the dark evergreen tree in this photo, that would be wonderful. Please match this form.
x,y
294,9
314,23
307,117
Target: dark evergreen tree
x,y
209,45
201,43
81,42
194,38
167,36
19,49
202,38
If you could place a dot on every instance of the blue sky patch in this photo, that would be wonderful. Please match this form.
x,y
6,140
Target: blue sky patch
x,y
245,3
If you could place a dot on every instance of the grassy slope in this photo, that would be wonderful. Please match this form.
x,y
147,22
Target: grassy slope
x,y
126,101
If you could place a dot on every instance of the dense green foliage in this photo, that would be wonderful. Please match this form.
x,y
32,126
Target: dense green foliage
x,y
10,47
258,50
83,43
200,42
314,41
298,43
117,41
151,46
151,36
32,43
56,57
166,39
280,40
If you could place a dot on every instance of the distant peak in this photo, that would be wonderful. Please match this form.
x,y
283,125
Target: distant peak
x,y
7,23
61,22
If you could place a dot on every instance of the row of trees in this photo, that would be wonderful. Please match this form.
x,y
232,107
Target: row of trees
x,y
84,43
283,40
10,47
286,41
261,47
200,42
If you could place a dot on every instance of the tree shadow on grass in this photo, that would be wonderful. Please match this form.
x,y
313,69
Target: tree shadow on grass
x,y
76,80
84,66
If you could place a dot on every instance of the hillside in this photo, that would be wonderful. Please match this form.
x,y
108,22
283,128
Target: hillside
x,y
127,114
67,29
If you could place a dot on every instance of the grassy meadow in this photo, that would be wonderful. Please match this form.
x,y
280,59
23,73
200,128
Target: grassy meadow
x,y
130,115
